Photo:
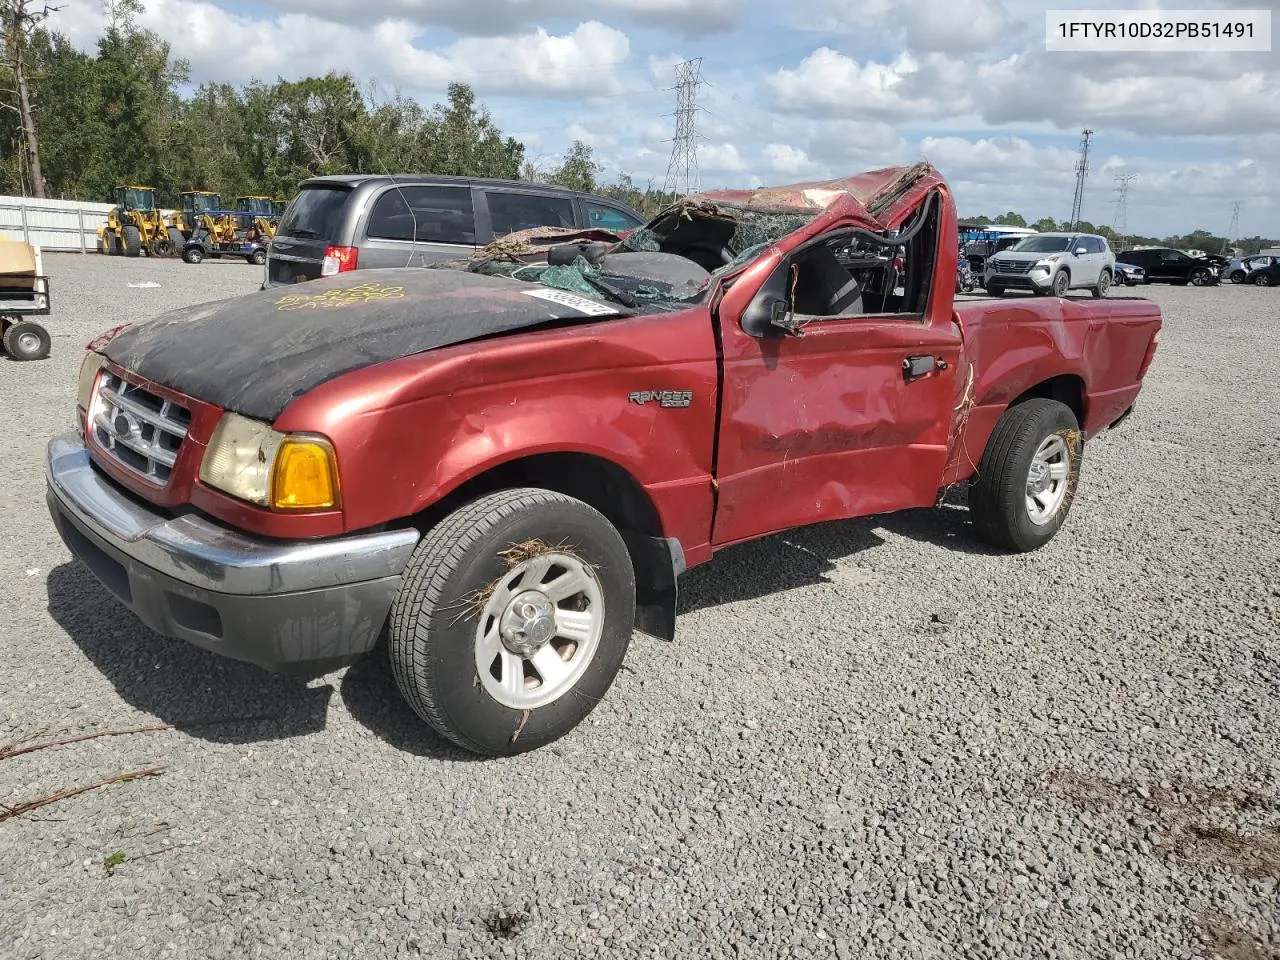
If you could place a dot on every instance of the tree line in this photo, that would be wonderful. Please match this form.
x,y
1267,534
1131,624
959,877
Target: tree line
x,y
1195,240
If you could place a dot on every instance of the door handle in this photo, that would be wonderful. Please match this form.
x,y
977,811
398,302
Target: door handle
x,y
913,367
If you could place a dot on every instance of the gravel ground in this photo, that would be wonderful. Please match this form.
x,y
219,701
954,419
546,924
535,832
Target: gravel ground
x,y
871,739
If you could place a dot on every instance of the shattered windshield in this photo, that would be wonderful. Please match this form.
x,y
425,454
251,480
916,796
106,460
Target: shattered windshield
x,y
669,264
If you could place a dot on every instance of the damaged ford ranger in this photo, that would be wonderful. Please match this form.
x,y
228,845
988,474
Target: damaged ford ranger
x,y
493,471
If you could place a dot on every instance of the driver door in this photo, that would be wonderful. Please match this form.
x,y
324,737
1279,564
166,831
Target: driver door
x,y
851,418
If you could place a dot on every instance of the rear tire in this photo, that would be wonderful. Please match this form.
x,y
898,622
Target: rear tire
x,y
473,589
112,242
258,257
1099,289
1027,479
160,247
25,340
1262,280
132,241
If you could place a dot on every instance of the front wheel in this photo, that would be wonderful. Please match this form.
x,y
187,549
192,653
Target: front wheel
x,y
1200,277
193,255
258,257
1027,479
514,618
1099,289
1061,283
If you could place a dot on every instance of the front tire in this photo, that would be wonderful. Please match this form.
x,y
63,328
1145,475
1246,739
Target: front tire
x,y
1237,276
1061,283
132,241
1200,277
193,255
1099,289
514,618
1027,479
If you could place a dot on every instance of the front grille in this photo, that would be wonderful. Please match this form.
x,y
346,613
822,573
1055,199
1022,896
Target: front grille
x,y
139,429
1012,266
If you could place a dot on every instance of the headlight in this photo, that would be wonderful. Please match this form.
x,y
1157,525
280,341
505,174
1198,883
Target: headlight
x,y
89,368
252,462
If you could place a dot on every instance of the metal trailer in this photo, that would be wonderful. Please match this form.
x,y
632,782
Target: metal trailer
x,y
25,339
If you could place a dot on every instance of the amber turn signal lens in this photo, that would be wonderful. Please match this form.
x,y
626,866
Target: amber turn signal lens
x,y
305,476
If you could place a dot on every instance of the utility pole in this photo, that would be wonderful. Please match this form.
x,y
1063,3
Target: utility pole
x,y
1233,231
1082,170
683,166
1120,222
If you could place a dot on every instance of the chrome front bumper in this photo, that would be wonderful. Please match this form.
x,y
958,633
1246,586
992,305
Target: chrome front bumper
x,y
273,603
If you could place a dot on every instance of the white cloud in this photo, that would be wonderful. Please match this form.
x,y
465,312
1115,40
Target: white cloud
x,y
786,159
828,83
925,26
720,158
689,18
223,46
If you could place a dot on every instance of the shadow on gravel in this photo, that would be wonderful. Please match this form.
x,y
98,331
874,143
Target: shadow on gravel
x,y
370,695
808,555
200,693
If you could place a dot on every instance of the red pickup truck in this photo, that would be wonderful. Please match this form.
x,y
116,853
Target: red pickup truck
x,y
502,466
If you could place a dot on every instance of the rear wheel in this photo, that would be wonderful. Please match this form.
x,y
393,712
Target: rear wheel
x,y
132,241
1099,289
514,617
1263,280
160,247
27,341
258,257
112,243
1027,479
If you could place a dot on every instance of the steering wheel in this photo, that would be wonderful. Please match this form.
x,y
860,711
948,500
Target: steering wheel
x,y
719,251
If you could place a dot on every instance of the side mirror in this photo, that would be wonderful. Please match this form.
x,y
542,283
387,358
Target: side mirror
x,y
1081,251
766,316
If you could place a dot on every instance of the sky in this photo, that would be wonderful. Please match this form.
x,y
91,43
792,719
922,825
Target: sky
x,y
797,90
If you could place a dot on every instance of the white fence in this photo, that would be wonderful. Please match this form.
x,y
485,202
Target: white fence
x,y
53,224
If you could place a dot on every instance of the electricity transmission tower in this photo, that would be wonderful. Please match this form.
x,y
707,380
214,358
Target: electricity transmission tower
x,y
1233,231
683,167
1120,222
1082,169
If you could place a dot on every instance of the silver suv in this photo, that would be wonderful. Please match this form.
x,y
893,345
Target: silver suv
x,y
1054,263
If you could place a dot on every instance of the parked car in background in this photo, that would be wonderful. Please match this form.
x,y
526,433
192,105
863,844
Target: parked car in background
x,y
356,222
1267,275
1166,265
1128,274
1053,263
1238,270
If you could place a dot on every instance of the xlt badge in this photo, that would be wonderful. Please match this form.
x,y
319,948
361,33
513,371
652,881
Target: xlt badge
x,y
665,398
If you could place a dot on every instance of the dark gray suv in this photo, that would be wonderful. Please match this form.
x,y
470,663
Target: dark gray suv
x,y
352,222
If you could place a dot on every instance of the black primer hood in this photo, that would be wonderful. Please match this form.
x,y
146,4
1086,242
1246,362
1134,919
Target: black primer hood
x,y
254,354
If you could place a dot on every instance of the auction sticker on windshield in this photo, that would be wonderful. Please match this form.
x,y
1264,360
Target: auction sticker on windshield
x,y
588,307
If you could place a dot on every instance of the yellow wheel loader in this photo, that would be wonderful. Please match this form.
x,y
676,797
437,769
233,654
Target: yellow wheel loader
x,y
135,225
185,222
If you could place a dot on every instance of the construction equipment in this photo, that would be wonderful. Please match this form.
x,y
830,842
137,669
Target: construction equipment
x,y
183,223
24,292
134,225
231,233
265,211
